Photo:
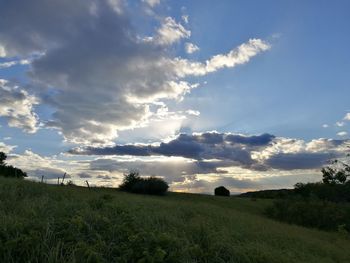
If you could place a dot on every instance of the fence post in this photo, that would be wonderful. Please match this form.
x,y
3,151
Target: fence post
x,y
87,184
64,176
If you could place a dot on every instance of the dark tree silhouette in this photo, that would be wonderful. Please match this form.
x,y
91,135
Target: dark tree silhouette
x,y
133,183
9,170
221,191
338,172
3,157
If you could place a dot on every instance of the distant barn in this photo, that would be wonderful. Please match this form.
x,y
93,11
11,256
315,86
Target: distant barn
x,y
221,191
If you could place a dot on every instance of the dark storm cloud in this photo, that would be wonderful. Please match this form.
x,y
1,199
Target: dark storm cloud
x,y
255,140
234,150
84,175
210,145
304,160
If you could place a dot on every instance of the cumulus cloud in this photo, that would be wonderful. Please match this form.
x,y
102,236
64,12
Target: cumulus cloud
x,y
204,146
2,52
185,18
255,152
170,32
51,167
36,165
191,48
6,148
193,112
226,149
236,56
342,133
95,72
152,3
17,106
14,63
340,123
347,116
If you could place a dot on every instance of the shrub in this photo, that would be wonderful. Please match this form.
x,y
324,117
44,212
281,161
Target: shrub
x,y
133,183
221,191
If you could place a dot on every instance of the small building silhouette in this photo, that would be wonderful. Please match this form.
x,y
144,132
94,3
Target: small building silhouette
x,y
221,191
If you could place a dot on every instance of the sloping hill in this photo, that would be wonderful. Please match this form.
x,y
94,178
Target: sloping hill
x,y
43,223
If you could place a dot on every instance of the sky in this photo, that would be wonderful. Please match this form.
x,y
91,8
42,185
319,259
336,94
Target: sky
x,y
246,94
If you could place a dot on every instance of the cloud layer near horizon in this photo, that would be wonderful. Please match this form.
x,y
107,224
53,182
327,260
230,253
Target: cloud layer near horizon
x,y
255,152
193,162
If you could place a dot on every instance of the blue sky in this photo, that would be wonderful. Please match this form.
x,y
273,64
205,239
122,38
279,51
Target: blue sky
x,y
102,74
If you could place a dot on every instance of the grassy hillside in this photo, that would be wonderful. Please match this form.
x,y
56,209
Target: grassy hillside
x,y
42,223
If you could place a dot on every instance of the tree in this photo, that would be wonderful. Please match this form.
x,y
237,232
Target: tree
x,y
9,170
221,191
3,157
129,181
338,172
133,183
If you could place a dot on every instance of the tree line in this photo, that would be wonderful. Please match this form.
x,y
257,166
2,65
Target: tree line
x,y
324,205
9,170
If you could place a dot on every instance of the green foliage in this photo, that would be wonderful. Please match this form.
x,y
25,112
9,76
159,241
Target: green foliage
x,y
324,205
48,223
3,157
129,181
322,215
133,183
337,172
9,170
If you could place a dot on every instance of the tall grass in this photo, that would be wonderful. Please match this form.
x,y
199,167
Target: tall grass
x,y
43,223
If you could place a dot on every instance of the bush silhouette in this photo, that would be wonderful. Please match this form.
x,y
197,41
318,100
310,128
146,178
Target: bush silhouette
x,y
133,183
222,191
129,181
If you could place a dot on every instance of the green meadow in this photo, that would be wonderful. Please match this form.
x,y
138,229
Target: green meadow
x,y
49,223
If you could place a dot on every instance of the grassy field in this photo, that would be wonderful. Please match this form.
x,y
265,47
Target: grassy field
x,y
43,223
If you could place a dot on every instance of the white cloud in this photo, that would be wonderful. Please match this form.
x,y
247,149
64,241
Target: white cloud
x,y
325,125
191,48
14,63
185,18
236,56
152,3
347,117
193,112
326,145
6,148
96,74
16,105
117,5
340,123
342,133
170,32
2,52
